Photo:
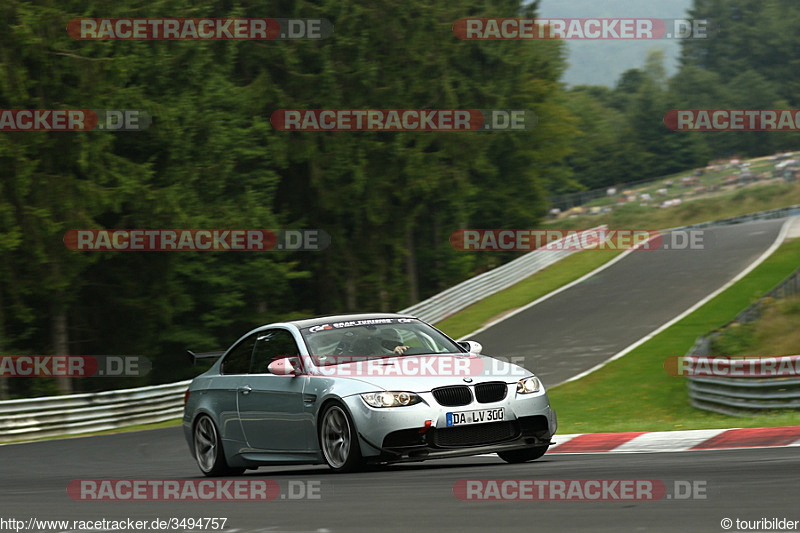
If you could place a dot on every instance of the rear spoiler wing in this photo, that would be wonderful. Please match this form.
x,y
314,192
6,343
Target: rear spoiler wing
x,y
193,357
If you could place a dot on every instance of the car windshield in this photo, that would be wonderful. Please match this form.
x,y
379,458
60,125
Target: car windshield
x,y
338,342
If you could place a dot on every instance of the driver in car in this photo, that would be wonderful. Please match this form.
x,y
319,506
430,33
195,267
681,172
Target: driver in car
x,y
380,343
390,340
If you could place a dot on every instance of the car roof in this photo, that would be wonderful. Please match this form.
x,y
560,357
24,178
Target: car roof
x,y
325,319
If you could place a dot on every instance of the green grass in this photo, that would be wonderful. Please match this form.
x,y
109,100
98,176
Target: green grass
x,y
634,393
741,202
531,288
760,197
775,332
709,178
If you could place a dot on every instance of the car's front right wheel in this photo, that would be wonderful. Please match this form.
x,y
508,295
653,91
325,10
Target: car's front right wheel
x,y
520,456
338,439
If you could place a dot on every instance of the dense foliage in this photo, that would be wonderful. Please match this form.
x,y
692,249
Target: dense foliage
x,y
390,201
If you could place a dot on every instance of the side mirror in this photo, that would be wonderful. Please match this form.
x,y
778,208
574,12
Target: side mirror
x,y
471,346
285,366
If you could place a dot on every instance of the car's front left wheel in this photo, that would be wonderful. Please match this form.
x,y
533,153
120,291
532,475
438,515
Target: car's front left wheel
x,y
208,450
338,439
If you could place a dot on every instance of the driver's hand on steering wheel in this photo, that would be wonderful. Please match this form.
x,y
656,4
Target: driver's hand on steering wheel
x,y
399,350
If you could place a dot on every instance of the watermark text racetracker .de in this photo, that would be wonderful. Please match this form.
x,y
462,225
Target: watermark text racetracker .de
x,y
197,29
733,119
419,366
724,366
74,120
591,29
388,120
75,366
213,240
524,240
195,489
578,490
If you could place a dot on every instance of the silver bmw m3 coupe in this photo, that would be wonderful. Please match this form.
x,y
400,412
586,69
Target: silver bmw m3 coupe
x,y
348,390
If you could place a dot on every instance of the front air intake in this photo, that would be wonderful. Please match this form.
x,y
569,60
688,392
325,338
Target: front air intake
x,y
490,392
453,396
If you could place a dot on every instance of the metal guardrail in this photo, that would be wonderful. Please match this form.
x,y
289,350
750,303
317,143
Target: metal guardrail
x,y
75,414
781,212
746,395
87,413
466,293
749,392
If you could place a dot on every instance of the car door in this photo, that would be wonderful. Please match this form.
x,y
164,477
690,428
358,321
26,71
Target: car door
x,y
271,406
225,388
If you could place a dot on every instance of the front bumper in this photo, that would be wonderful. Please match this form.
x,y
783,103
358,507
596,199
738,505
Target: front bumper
x,y
399,433
411,445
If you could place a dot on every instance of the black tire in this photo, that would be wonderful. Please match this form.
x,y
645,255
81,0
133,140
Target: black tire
x,y
207,448
521,456
338,440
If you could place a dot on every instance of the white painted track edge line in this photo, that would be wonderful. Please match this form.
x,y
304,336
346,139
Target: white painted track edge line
x,y
752,266
550,294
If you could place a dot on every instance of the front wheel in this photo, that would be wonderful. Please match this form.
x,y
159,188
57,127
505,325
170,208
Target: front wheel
x,y
208,450
338,440
521,456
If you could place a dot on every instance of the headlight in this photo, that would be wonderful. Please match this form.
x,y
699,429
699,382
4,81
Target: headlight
x,y
390,399
528,385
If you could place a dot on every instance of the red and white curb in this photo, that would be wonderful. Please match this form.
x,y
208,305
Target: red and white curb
x,y
676,441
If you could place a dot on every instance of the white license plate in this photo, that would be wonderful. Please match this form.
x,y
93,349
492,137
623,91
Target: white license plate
x,y
480,416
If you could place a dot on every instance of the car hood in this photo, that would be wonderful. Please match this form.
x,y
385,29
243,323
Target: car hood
x,y
421,373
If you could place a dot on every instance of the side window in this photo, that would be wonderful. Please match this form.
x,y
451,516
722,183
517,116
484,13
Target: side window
x,y
271,345
238,359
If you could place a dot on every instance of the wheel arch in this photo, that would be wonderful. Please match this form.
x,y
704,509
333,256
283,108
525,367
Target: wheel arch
x,y
324,405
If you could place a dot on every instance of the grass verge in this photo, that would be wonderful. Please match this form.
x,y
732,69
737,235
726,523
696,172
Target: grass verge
x,y
775,332
634,393
744,201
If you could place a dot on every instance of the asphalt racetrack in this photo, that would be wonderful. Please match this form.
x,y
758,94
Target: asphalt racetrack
x,y
745,484
590,322
560,337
